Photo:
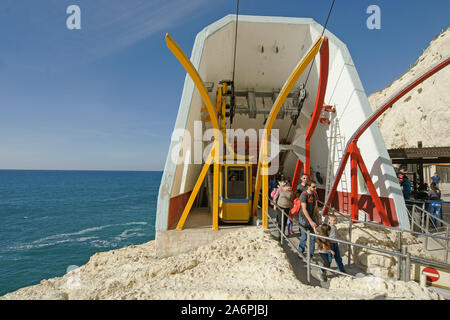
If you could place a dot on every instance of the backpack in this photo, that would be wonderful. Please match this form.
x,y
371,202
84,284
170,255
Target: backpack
x,y
296,207
273,193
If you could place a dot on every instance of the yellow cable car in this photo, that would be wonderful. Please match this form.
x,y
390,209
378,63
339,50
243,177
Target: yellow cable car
x,y
235,192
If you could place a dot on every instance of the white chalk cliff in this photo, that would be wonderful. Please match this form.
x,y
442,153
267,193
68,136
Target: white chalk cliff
x,y
423,114
246,264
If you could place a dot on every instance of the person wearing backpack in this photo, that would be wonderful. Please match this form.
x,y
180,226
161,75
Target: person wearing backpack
x,y
283,201
294,211
309,217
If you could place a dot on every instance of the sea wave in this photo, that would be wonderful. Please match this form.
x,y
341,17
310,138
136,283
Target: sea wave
x,y
62,235
129,233
41,245
69,237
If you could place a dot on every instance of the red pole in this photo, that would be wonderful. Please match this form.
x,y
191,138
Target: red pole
x,y
432,70
323,80
373,192
336,182
298,169
354,180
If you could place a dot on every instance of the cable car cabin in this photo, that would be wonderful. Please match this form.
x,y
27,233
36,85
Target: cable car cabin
x,y
235,194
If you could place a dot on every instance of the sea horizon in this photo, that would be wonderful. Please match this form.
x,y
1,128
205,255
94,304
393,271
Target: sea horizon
x,y
56,219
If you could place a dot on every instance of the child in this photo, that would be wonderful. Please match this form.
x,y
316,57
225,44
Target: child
x,y
324,248
332,220
295,210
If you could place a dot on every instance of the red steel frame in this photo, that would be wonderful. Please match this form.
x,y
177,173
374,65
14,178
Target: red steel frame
x,y
356,159
298,169
323,79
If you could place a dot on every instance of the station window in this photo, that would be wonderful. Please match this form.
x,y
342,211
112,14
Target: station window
x,y
236,184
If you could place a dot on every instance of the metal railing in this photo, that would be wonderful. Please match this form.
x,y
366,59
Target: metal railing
x,y
309,264
424,217
444,239
421,207
404,258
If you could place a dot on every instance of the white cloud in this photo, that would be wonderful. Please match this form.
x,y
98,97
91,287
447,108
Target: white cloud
x,y
35,34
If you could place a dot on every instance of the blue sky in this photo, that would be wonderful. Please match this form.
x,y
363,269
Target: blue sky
x,y
106,97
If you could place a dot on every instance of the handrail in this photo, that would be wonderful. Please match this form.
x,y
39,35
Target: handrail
x,y
383,226
431,215
427,201
309,264
402,256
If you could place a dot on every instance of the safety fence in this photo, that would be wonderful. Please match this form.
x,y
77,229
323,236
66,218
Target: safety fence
x,y
404,258
427,210
442,239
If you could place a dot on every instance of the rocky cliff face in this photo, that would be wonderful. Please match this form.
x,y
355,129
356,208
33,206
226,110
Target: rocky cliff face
x,y
423,114
246,264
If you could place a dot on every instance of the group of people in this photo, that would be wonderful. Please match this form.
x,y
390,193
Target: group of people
x,y
303,204
433,193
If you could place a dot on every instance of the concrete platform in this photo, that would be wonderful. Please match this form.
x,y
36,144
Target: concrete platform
x,y
197,232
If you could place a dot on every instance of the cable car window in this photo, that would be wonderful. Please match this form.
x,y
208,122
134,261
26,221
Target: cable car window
x,y
237,186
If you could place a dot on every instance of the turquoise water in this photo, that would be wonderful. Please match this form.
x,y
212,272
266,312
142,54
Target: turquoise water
x,y
51,220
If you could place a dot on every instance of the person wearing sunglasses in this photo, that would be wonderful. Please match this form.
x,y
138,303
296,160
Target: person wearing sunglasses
x,y
309,217
302,185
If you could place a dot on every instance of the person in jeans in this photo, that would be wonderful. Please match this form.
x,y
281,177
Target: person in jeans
x,y
332,220
406,188
283,200
324,247
434,194
436,179
294,210
309,217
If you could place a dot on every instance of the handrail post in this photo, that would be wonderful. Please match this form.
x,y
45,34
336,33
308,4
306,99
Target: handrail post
x,y
282,226
308,256
349,240
413,218
422,221
446,246
400,259
426,233
406,264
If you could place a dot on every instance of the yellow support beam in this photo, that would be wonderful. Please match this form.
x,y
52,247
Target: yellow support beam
x,y
288,85
194,193
215,224
190,69
265,185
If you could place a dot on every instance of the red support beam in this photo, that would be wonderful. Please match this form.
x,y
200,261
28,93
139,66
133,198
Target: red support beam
x,y
354,181
323,80
375,115
298,169
373,192
336,182
395,98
